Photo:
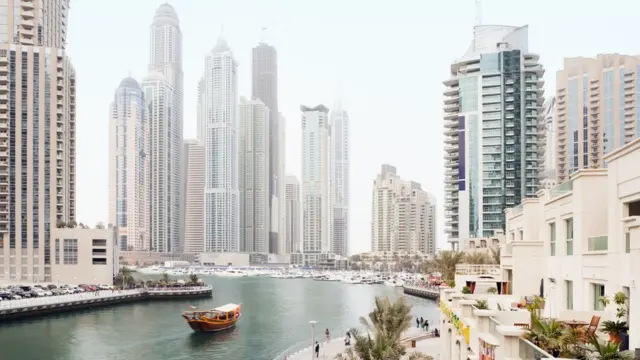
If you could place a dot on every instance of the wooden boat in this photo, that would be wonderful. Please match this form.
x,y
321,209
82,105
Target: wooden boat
x,y
218,319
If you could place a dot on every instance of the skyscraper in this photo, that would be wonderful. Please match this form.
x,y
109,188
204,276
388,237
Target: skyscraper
x,y
493,116
253,175
265,87
596,110
37,132
166,59
293,208
193,167
201,110
129,166
340,179
221,153
164,184
316,196
402,215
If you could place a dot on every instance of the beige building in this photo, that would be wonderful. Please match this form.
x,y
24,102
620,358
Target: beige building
x,y
37,135
193,196
293,212
402,215
596,110
84,256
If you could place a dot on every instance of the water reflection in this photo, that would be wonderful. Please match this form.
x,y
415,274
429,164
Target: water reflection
x,y
208,341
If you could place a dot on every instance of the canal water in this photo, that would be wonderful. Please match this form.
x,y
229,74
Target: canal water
x,y
276,315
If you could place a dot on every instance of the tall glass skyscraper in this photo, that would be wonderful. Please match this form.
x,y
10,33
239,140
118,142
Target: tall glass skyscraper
x,y
340,179
129,166
493,125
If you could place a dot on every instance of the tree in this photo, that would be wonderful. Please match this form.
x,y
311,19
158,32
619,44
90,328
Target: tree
x,y
124,278
495,255
477,258
446,263
60,224
383,333
165,278
72,224
100,225
193,279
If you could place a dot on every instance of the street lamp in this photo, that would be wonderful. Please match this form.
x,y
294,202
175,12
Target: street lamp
x,y
313,338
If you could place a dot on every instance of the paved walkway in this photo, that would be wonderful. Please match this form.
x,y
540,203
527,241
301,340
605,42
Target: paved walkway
x,y
51,300
328,351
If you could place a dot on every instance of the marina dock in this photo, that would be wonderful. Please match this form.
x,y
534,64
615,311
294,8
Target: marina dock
x,y
423,292
24,308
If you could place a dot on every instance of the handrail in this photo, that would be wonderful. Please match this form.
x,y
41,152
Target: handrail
x,y
303,345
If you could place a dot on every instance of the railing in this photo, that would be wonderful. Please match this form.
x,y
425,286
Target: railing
x,y
528,351
292,351
565,187
471,269
598,243
187,289
60,299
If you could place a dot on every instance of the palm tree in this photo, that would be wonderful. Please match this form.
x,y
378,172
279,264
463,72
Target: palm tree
x,y
165,278
446,263
193,279
477,258
124,278
495,255
384,328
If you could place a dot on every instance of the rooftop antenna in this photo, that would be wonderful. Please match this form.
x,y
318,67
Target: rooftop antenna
x,y
263,35
478,12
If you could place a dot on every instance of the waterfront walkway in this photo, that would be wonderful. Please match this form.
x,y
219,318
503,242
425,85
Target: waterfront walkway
x,y
61,299
328,351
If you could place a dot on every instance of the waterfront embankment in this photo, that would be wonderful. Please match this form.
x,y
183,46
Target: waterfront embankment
x,y
24,308
421,291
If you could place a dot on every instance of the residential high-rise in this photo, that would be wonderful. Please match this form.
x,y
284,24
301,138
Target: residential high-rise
x,y
164,183
281,217
493,117
253,175
129,166
201,110
597,110
548,166
221,153
340,179
193,167
293,208
265,87
37,136
316,167
166,59
402,215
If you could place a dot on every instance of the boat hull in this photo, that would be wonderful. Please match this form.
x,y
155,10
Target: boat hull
x,y
211,326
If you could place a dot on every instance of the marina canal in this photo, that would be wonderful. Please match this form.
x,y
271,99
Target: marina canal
x,y
276,314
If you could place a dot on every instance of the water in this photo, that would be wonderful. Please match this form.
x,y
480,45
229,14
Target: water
x,y
276,314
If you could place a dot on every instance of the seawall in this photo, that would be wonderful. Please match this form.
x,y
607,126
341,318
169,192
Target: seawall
x,y
25,308
422,292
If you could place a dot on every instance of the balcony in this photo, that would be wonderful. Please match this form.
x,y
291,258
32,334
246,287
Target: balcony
x,y
473,269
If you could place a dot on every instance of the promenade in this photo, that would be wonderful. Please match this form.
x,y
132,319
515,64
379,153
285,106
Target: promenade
x,y
62,299
328,351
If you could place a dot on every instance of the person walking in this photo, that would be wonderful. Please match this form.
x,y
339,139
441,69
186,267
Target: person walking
x,y
418,323
426,325
421,323
317,350
328,335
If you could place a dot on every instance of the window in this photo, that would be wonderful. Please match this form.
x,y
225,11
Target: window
x,y
57,252
99,242
521,235
70,252
568,285
598,293
552,238
568,225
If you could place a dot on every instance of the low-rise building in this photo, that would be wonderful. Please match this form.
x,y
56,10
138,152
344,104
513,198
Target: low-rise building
x,y
84,256
484,245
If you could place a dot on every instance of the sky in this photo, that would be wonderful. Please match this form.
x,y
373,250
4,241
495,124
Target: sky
x,y
389,59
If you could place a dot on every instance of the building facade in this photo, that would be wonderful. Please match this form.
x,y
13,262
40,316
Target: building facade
x,y
85,256
221,151
164,184
493,125
264,82
548,173
253,176
402,215
193,167
316,167
340,179
597,110
129,166
37,135
165,57
201,112
293,212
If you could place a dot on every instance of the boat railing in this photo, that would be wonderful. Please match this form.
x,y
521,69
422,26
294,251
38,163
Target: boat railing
x,y
307,344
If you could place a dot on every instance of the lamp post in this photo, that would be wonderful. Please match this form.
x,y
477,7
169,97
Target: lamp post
x,y
313,338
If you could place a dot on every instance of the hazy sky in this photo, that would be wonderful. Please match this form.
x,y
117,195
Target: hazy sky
x,y
389,56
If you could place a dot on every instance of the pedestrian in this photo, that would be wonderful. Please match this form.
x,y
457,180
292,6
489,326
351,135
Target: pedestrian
x,y
421,322
426,325
418,323
347,339
328,335
317,350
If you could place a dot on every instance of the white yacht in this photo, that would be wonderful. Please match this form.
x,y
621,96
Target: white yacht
x,y
232,273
